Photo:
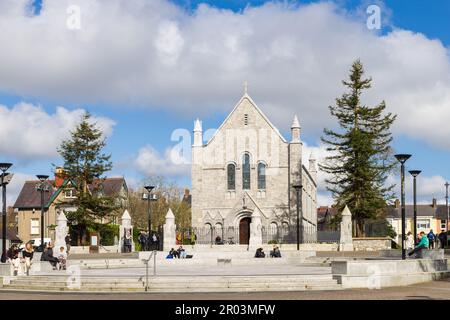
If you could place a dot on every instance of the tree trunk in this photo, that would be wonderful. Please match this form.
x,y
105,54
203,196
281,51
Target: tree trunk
x,y
359,228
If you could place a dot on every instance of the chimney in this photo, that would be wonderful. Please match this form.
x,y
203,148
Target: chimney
x,y
59,177
434,203
397,203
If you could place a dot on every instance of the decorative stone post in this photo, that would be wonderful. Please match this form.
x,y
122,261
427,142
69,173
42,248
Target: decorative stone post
x,y
255,230
124,226
61,231
346,239
169,231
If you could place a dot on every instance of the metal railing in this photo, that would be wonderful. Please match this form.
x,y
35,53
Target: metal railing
x,y
147,262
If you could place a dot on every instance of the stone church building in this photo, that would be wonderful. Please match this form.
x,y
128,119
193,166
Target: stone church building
x,y
246,172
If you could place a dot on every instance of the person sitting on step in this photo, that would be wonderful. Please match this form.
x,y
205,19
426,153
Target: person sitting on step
x,y
62,258
27,256
423,244
275,253
13,258
260,253
47,255
181,252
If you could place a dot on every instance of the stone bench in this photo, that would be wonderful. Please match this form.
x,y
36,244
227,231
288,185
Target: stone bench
x,y
387,273
423,254
431,254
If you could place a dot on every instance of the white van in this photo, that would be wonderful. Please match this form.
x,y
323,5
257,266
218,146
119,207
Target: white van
x,y
36,242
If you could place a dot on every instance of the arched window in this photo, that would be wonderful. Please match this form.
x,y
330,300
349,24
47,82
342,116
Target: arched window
x,y
246,172
231,177
261,176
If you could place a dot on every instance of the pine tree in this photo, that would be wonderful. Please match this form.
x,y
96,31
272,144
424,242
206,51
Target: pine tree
x,y
361,156
85,165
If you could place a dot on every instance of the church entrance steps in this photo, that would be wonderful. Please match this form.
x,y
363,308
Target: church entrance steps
x,y
178,283
210,261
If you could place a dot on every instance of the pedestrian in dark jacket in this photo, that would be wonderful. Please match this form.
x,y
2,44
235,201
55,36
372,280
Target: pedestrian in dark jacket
x,y
443,239
431,239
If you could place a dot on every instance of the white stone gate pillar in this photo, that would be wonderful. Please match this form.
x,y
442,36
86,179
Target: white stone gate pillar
x,y
61,231
125,224
255,230
346,239
169,232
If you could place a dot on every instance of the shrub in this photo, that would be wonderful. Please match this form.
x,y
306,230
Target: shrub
x,y
107,233
273,242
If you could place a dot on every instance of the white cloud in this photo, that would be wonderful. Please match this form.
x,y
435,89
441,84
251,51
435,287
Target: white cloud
x,y
155,54
428,188
151,163
28,132
15,186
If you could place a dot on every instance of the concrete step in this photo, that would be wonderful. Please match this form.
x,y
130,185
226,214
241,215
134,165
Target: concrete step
x,y
328,287
179,284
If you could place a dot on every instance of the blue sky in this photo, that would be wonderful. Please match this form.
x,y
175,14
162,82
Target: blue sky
x,y
144,121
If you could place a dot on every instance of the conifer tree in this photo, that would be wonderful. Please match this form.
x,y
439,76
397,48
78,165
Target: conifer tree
x,y
360,154
85,165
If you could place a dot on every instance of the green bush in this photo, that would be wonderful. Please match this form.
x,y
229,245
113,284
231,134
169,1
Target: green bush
x,y
186,241
273,242
107,233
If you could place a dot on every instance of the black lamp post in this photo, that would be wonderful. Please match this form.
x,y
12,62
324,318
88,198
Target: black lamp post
x,y
4,167
42,187
149,198
402,158
446,206
415,173
298,189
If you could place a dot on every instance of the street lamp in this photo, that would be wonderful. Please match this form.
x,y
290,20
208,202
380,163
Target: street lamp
x,y
298,189
4,167
149,198
42,187
402,158
415,173
446,205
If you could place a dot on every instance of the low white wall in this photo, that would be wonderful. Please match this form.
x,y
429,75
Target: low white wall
x,y
372,244
376,274
85,249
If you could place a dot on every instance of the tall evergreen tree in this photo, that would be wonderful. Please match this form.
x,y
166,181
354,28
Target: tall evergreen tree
x,y
361,156
85,165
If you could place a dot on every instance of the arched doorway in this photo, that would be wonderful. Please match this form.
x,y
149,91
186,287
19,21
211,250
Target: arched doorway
x,y
244,230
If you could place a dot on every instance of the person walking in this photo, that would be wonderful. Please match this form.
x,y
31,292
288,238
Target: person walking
x,y
423,244
193,238
142,240
68,240
431,238
27,256
443,239
409,241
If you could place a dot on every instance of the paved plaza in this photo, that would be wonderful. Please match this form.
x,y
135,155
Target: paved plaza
x,y
435,290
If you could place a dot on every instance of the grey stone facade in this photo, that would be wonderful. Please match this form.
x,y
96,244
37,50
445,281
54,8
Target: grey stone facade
x,y
247,130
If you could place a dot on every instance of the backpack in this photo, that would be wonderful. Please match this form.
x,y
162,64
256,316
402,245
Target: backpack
x,y
431,236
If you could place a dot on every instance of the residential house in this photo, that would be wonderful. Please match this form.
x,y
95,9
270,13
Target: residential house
x,y
58,197
429,217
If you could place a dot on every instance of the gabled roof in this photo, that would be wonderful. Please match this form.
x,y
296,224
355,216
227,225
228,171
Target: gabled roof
x,y
423,210
30,198
246,96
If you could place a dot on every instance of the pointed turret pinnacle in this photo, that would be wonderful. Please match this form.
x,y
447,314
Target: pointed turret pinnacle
x,y
197,125
295,123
